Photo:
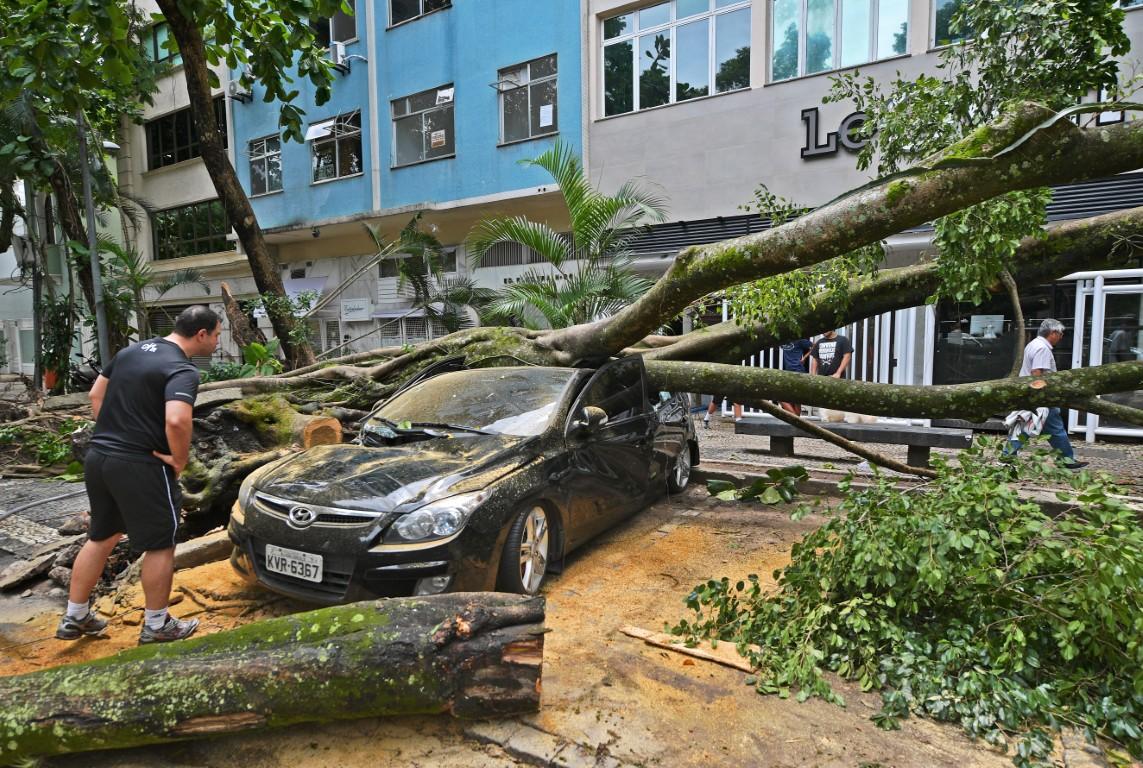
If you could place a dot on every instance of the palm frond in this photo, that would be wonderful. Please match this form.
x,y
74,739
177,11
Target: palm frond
x,y
534,235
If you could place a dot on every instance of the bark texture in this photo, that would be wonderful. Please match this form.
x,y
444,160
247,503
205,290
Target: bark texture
x,y
470,654
974,402
230,192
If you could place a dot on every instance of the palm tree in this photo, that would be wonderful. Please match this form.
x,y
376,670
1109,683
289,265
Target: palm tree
x,y
590,275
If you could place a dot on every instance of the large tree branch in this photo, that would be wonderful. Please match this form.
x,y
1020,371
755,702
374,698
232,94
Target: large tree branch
x,y
1090,243
976,401
1059,154
839,441
1110,409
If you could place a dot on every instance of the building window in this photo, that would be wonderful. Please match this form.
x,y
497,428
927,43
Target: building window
x,y
675,51
265,165
336,146
423,126
173,138
191,230
528,100
403,10
943,11
340,29
155,41
810,36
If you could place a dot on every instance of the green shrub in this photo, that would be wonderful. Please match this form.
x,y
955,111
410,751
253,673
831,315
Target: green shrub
x,y
962,601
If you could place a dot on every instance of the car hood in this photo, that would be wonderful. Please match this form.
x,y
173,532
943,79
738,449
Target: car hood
x,y
382,479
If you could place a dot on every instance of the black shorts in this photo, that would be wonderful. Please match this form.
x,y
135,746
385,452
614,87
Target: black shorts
x,y
133,496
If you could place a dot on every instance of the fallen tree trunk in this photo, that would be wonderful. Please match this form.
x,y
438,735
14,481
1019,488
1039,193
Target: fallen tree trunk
x,y
470,654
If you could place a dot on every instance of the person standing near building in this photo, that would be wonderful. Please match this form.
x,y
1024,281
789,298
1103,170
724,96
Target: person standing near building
x,y
794,354
143,403
830,355
1039,360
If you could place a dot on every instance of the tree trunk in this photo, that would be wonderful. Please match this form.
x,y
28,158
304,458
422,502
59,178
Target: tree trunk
x,y
241,215
975,402
470,654
240,329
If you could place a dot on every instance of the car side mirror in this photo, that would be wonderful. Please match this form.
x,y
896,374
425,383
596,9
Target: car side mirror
x,y
593,417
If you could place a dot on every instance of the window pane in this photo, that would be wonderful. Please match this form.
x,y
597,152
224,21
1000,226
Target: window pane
x,y
724,3
436,5
448,260
273,173
257,177
421,101
732,51
819,35
685,8
692,60
403,10
349,155
324,160
410,142
784,63
944,13
618,25
544,67
654,16
856,20
515,114
617,66
892,27
544,119
514,75
344,25
320,26
273,144
654,69
439,133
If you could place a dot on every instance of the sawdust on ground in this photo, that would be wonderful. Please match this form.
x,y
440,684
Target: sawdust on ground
x,y
616,697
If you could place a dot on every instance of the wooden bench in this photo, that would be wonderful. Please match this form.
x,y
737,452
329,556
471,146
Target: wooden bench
x,y
919,439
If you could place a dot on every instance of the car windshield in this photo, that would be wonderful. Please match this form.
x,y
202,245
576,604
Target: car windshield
x,y
507,401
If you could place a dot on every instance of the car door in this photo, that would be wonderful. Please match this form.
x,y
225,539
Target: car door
x,y
610,464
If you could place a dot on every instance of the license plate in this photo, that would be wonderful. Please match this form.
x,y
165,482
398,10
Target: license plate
x,y
291,562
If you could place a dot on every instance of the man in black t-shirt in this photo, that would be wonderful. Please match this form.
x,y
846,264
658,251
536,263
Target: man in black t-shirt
x,y
830,355
143,403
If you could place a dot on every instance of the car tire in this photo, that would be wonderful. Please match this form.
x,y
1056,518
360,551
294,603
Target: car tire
x,y
680,475
527,551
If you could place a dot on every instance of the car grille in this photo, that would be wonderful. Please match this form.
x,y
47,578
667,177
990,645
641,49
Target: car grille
x,y
335,576
326,516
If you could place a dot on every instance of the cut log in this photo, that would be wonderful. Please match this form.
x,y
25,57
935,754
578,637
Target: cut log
x,y
316,430
471,654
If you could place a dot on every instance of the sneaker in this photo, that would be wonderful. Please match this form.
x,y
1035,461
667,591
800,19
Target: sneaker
x,y
706,423
71,628
172,629
1075,465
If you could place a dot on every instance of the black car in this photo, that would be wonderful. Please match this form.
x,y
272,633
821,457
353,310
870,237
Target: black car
x,y
473,479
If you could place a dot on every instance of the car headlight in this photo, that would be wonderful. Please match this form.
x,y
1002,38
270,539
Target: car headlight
x,y
437,520
246,490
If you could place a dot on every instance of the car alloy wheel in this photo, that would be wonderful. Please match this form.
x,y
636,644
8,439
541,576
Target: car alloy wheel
x,y
533,550
681,472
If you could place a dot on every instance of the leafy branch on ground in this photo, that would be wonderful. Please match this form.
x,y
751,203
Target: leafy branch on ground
x,y
960,600
779,484
42,447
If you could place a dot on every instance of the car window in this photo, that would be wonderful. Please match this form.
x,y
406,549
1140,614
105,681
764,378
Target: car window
x,y
509,401
618,390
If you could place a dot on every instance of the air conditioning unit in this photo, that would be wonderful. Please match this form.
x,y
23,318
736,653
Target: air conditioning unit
x,y
338,57
239,92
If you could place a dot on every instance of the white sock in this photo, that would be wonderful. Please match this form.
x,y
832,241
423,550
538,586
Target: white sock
x,y
77,610
155,619
706,418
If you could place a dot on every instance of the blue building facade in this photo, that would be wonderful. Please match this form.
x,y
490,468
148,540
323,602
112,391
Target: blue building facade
x,y
436,109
